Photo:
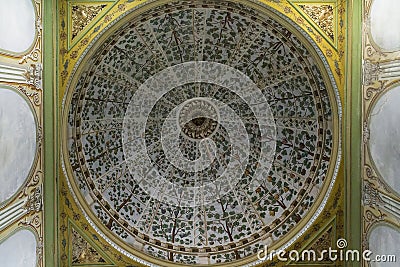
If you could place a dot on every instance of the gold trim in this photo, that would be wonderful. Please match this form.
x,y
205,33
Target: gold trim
x,y
73,40
335,4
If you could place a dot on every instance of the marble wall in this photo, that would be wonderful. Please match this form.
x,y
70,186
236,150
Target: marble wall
x,y
385,24
17,141
17,25
385,137
19,249
384,240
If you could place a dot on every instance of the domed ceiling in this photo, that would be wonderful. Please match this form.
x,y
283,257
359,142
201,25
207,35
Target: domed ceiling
x,y
197,134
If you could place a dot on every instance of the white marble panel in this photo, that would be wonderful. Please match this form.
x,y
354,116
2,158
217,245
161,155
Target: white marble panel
x,y
384,241
19,250
385,24
17,25
17,142
385,137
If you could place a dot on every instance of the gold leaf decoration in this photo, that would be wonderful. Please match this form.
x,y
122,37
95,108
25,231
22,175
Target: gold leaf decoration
x,y
83,252
82,15
323,16
323,242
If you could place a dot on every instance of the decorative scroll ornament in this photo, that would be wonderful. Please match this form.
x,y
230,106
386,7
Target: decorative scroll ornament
x,y
366,132
371,217
33,95
34,76
370,174
371,195
34,221
36,53
371,72
39,250
34,181
34,201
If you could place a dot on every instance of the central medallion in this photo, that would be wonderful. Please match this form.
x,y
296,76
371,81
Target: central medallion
x,y
198,118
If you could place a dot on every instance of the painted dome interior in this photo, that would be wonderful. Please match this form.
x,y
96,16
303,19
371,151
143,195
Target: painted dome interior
x,y
243,158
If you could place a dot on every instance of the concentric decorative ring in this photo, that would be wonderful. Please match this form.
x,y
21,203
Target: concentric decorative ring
x,y
198,133
138,113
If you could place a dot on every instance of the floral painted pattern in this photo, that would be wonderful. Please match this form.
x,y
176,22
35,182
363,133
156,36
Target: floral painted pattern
x,y
236,225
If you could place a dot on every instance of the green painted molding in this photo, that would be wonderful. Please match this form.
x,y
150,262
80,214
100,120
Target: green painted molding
x,y
352,127
50,133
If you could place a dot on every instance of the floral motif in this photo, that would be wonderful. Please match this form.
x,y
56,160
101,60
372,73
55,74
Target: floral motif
x,y
234,226
82,15
322,15
83,252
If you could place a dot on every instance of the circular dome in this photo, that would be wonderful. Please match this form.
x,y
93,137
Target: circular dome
x,y
196,134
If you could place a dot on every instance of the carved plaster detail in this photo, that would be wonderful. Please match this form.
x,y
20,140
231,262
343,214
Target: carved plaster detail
x,y
371,195
31,76
371,72
36,52
34,201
